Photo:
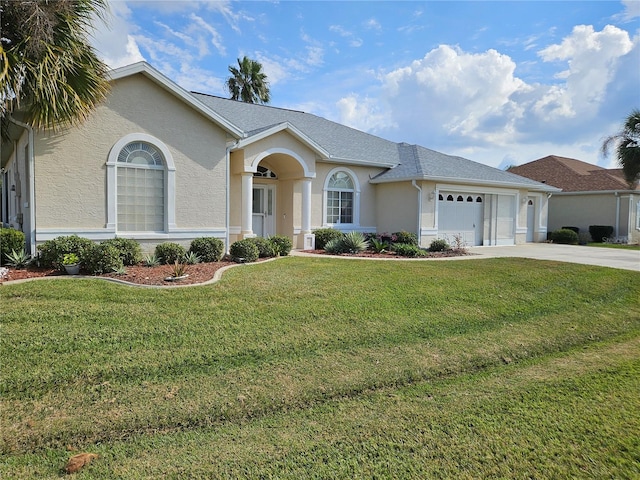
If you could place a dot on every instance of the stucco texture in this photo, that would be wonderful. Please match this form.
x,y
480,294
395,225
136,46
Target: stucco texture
x,y
70,165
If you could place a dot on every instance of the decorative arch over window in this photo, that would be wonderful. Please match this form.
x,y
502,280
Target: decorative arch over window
x,y
341,198
140,185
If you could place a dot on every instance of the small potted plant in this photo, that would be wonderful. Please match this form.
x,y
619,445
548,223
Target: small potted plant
x,y
71,263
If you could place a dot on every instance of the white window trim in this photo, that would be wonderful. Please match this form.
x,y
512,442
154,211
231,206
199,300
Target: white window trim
x,y
356,200
112,182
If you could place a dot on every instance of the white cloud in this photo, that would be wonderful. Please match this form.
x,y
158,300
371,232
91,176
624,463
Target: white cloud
x,y
631,9
473,104
115,42
216,38
362,114
373,24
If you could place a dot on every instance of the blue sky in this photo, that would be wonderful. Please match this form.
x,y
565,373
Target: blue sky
x,y
502,82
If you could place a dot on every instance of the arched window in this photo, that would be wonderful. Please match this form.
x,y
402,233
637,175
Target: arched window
x,y
141,188
460,199
341,193
530,203
449,198
469,198
479,200
140,185
440,197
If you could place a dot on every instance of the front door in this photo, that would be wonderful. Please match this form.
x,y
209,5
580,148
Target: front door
x,y
263,210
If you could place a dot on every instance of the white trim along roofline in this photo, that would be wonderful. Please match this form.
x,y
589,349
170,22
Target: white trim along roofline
x,y
354,161
470,181
175,89
282,127
601,192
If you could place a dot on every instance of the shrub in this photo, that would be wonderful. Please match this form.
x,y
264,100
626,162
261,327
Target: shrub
x,y
564,236
150,260
408,238
324,235
265,247
244,250
53,251
169,252
408,250
101,258
10,240
354,242
129,250
575,229
281,244
439,245
209,249
378,246
599,232
18,259
334,246
191,258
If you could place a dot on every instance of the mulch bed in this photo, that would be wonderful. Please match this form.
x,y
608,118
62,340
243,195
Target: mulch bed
x,y
137,274
199,273
369,254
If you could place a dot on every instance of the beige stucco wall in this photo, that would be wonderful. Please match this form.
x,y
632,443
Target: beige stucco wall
x,y
397,206
70,165
367,198
619,211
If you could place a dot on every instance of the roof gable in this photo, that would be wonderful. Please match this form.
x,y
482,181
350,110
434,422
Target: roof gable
x,y
572,175
154,75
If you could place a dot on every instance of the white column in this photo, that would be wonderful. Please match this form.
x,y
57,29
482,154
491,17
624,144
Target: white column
x,y
247,202
306,206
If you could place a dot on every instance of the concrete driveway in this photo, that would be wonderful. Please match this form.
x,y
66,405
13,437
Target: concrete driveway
x,y
602,257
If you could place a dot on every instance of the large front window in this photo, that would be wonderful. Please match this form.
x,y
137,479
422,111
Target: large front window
x,y
141,188
340,198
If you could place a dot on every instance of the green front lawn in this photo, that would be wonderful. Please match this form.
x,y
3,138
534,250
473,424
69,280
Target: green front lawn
x,y
317,367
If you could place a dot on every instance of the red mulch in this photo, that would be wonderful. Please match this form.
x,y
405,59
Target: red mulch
x,y
198,273
138,274
370,254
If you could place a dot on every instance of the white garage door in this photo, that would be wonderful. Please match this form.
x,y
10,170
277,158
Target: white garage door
x,y
461,214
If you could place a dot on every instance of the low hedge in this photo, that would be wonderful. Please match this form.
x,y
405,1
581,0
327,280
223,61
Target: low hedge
x,y
244,250
325,235
10,240
209,249
599,232
53,251
564,236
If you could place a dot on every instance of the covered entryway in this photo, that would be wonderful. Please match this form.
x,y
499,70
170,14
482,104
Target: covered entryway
x,y
461,214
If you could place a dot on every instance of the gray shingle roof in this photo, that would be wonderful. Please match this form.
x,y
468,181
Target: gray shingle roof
x,y
409,162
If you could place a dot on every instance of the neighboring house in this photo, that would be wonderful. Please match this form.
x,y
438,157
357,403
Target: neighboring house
x,y
591,195
157,163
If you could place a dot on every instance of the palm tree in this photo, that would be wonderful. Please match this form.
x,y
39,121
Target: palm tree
x,y
627,143
247,82
51,74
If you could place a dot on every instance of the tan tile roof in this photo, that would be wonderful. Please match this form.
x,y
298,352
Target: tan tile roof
x,y
572,175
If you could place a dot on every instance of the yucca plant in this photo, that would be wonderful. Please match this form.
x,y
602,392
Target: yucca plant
x,y
191,258
151,260
354,242
18,259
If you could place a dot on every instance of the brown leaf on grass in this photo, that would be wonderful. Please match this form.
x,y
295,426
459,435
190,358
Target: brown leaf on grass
x,y
78,461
